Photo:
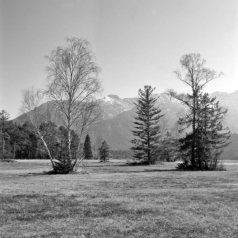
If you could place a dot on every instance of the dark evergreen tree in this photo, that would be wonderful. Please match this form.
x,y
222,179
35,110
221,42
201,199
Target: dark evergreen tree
x,y
64,164
87,149
22,151
50,133
210,136
22,142
146,124
10,137
4,136
213,136
168,149
104,152
63,142
196,76
75,146
15,139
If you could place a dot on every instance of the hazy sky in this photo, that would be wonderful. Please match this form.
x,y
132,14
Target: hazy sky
x,y
136,42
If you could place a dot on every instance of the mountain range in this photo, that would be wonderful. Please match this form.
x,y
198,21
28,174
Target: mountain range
x,y
119,113
117,117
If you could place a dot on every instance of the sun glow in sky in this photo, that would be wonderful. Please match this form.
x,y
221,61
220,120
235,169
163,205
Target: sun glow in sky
x,y
135,42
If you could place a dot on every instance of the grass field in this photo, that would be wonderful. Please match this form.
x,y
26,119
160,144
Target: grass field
x,y
113,200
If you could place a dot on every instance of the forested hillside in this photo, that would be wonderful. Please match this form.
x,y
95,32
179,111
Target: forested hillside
x,y
117,116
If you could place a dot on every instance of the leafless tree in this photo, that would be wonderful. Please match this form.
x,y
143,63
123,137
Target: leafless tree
x,y
31,100
196,76
72,86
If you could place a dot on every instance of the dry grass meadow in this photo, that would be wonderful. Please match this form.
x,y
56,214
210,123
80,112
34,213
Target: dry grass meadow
x,y
114,200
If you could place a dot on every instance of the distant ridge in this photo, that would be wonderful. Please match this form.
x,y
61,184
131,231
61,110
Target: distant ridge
x,y
116,124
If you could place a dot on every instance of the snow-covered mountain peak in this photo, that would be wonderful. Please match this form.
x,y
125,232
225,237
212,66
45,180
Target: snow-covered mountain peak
x,y
112,99
113,105
108,99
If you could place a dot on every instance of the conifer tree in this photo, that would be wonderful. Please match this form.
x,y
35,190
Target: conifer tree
x,y
168,149
146,127
196,76
4,117
213,136
104,152
87,149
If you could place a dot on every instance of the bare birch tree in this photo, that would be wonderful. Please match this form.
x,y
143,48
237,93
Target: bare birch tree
x,y
196,76
31,100
72,86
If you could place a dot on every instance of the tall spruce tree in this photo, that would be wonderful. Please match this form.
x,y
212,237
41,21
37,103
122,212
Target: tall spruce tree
x,y
146,126
87,149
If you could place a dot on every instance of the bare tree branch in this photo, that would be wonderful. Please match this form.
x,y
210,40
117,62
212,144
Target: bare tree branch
x,y
73,84
31,100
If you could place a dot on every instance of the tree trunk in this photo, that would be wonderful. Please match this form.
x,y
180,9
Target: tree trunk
x,y
193,137
69,129
2,152
1,144
69,143
14,150
46,147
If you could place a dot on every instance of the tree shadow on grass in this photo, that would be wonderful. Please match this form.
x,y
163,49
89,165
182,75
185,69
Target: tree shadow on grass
x,y
162,170
46,173
112,170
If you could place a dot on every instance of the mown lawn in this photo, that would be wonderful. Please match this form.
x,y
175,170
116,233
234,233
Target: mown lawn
x,y
113,200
